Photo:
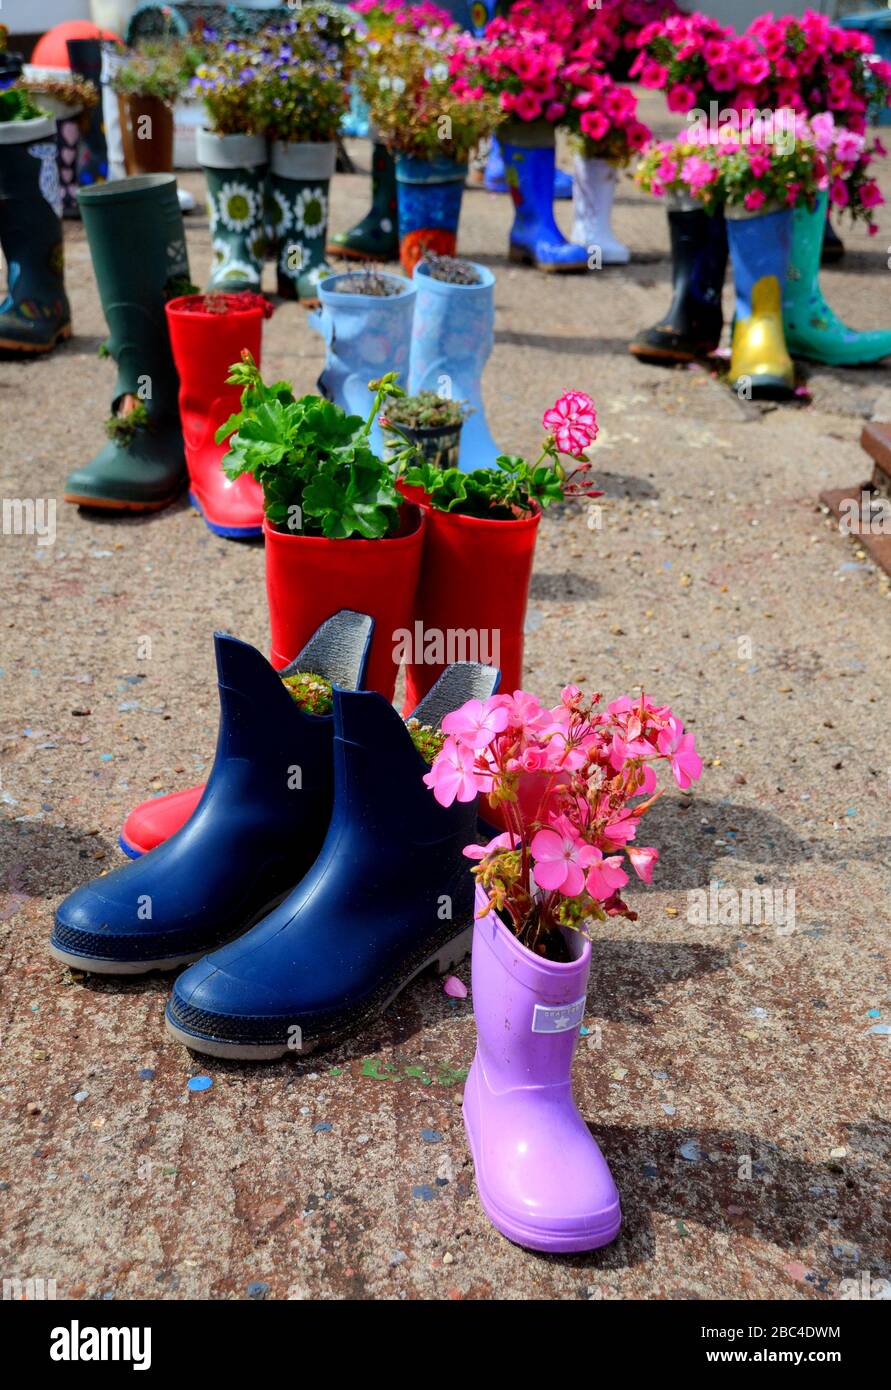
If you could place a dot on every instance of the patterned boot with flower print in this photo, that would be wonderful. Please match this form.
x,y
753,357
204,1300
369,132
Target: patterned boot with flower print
x,y
235,211
300,177
304,224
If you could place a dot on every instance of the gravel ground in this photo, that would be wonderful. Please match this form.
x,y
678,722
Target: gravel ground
x,y
735,1075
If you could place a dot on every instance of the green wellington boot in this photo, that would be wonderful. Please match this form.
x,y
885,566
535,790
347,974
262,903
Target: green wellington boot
x,y
35,315
135,230
376,237
812,329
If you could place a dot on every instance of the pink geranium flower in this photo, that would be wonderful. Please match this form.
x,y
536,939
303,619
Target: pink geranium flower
x,y
504,841
755,200
680,749
572,420
560,859
605,875
643,861
477,722
452,776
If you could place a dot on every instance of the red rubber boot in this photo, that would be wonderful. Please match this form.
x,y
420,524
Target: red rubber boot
x,y
470,603
205,344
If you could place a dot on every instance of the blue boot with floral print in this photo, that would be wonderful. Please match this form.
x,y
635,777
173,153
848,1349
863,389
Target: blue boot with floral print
x,y
235,168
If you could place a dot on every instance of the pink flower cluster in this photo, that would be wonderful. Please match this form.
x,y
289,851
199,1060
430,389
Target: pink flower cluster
x,y
522,65
545,61
766,163
805,63
412,18
572,783
572,420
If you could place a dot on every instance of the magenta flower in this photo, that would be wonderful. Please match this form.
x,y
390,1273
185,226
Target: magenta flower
x,y
680,749
754,200
477,722
572,420
452,776
605,876
561,858
681,97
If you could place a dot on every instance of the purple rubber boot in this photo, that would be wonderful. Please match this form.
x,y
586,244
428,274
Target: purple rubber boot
x,y
542,1180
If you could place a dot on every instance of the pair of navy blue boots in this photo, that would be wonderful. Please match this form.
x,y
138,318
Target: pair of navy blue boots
x,y
317,876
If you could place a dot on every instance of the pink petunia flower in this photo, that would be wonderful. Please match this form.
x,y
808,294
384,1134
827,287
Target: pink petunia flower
x,y
755,199
573,422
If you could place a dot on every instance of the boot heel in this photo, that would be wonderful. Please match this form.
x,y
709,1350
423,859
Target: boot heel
x,y
453,952
520,255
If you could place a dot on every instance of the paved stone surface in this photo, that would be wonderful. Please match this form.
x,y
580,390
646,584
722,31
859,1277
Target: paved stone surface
x,y
736,1075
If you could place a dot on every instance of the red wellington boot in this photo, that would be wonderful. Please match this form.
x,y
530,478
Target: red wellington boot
x,y
207,334
154,821
470,603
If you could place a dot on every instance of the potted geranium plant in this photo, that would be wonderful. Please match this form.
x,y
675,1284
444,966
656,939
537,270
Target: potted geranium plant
x,y
431,125
572,783
148,82
481,531
431,423
336,527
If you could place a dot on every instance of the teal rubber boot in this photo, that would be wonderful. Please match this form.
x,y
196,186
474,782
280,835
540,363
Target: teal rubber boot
x,y
35,315
135,231
812,329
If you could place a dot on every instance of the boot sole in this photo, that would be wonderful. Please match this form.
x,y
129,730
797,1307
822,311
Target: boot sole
x,y
103,965
668,354
95,965
35,349
444,959
600,1232
521,257
229,533
115,504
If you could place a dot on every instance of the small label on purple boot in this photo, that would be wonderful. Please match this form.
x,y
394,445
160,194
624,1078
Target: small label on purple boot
x,y
558,1018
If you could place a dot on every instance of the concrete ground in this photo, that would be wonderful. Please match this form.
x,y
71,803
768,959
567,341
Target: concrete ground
x,y
735,1075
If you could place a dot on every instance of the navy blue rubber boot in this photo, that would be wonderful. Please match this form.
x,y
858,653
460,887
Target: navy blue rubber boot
x,y
256,830
390,894
535,238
